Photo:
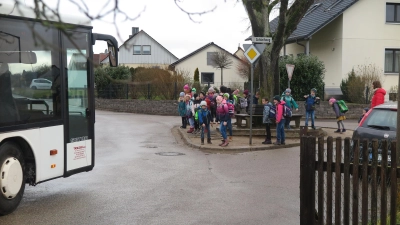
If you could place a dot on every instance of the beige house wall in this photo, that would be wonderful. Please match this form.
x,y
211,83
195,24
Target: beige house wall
x,y
199,60
366,35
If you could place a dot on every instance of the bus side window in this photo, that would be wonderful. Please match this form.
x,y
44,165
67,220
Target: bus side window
x,y
8,108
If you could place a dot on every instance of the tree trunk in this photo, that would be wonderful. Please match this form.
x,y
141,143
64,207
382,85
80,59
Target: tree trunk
x,y
222,77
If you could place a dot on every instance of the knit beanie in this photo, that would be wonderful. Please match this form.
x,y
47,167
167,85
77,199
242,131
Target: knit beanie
x,y
277,97
246,92
226,95
288,91
194,89
182,94
332,100
203,103
211,89
314,90
186,87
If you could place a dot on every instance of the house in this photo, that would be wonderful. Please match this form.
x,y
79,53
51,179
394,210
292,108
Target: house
x,y
240,53
140,49
347,33
100,58
201,59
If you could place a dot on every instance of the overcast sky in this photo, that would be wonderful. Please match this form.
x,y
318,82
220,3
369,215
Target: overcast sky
x,y
227,25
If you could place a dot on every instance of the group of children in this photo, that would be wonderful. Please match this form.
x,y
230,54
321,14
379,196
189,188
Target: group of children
x,y
204,110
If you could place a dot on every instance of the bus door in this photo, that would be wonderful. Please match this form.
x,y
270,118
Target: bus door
x,y
79,126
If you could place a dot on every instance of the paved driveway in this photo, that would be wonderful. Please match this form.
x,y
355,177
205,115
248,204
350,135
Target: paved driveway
x,y
132,184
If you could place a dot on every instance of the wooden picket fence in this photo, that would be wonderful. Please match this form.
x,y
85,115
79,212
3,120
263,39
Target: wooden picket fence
x,y
343,184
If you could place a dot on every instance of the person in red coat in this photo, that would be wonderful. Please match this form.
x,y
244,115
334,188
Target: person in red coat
x,y
379,94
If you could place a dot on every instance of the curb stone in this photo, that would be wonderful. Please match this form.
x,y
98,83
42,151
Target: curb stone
x,y
188,142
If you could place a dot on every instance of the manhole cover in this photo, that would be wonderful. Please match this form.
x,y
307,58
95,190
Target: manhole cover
x,y
169,153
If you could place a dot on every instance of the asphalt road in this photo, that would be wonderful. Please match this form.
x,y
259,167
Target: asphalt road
x,y
132,184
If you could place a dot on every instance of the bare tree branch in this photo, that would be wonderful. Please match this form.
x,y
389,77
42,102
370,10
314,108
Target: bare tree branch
x,y
190,14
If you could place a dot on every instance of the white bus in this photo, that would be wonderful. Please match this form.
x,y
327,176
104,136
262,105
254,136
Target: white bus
x,y
46,100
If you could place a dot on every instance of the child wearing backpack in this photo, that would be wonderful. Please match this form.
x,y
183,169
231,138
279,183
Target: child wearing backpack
x,y
204,120
339,115
231,112
280,120
310,102
196,107
182,109
212,104
291,103
223,116
267,120
189,112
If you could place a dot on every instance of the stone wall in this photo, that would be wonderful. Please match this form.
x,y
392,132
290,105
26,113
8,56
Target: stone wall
x,y
170,107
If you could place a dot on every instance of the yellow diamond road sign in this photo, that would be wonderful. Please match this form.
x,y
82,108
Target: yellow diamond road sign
x,y
252,54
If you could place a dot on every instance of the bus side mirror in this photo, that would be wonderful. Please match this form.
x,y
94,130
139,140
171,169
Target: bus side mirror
x,y
112,44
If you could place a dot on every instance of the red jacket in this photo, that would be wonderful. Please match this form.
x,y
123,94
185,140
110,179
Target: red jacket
x,y
279,111
378,98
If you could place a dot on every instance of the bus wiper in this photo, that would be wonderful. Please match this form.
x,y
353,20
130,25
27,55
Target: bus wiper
x,y
379,127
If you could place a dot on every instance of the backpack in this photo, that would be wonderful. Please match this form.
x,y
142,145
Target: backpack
x,y
243,103
196,114
272,112
212,102
342,106
231,109
287,111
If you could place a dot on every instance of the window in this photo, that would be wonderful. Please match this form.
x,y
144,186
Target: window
x,y
146,49
142,50
392,60
137,49
207,78
392,13
30,87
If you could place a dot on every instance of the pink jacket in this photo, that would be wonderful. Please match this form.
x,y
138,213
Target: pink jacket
x,y
279,111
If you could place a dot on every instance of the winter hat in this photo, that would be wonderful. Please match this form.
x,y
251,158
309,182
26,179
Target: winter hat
x,y
277,97
235,92
226,95
288,91
211,89
332,100
366,109
203,103
186,87
246,92
194,89
219,98
182,94
314,90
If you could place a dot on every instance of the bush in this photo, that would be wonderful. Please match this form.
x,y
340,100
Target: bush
x,y
308,73
196,75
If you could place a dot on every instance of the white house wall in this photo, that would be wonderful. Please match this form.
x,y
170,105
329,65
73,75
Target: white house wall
x,y
366,35
199,60
327,46
159,55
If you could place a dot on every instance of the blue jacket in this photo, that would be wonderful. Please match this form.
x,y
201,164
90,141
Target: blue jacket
x,y
204,116
310,103
266,118
182,108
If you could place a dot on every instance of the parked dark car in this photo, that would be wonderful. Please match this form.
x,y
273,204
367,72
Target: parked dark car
x,y
379,123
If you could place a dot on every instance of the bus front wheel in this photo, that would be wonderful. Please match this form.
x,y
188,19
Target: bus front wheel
x,y
12,177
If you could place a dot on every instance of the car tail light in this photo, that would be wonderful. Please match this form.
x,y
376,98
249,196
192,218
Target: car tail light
x,y
365,117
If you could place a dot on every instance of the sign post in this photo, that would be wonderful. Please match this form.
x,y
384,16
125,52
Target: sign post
x,y
289,69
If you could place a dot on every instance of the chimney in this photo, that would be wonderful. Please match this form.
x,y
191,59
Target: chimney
x,y
135,30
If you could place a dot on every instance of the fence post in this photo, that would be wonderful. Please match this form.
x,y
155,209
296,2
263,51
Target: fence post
x,y
148,91
307,181
127,91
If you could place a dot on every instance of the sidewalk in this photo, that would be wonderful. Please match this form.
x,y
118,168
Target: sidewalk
x,y
242,143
